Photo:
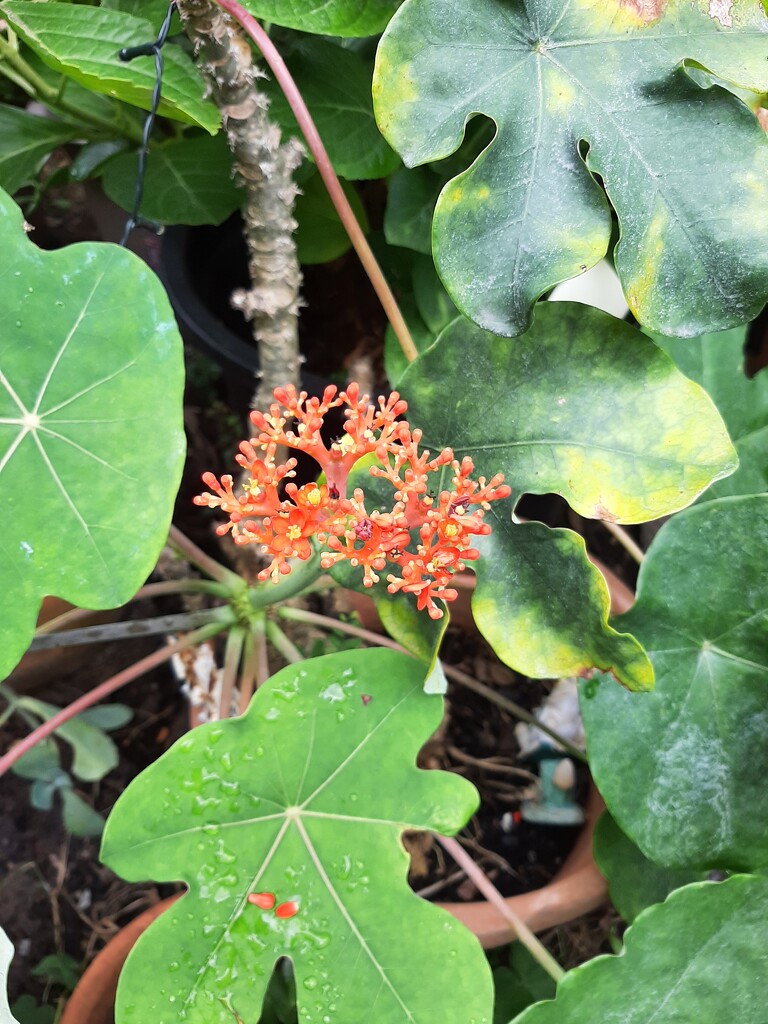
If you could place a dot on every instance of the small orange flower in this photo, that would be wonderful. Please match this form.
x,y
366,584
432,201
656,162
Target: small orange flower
x,y
346,530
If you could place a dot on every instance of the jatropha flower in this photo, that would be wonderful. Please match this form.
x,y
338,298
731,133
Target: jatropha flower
x,y
343,525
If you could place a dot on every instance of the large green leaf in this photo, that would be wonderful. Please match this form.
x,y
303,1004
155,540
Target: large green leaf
x,y
634,880
582,405
91,438
320,235
588,86
336,85
305,797
716,361
699,957
683,769
83,43
94,752
26,142
544,607
329,17
188,181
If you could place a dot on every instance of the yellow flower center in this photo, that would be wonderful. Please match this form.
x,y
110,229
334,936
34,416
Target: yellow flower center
x,y
294,532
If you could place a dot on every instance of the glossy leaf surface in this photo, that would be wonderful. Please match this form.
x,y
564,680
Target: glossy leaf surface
x,y
589,86
634,881
188,181
304,797
716,361
583,405
26,142
83,42
330,17
91,439
683,769
544,607
336,85
699,956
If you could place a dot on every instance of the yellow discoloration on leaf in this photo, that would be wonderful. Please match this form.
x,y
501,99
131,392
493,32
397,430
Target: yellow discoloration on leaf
x,y
643,281
396,83
560,92
483,192
620,16
454,194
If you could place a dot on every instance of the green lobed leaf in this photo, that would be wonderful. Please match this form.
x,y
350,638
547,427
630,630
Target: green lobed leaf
x,y
188,181
83,43
700,956
26,142
6,955
684,168
583,405
543,606
634,881
411,198
716,361
682,769
91,437
330,17
335,83
305,797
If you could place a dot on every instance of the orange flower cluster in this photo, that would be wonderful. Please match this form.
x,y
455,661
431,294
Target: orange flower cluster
x,y
342,524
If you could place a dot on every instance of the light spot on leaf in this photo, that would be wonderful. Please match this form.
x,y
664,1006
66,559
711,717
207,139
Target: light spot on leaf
x,y
720,10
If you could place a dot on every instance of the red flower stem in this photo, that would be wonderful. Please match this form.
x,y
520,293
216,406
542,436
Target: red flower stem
x,y
105,689
356,235
522,932
203,562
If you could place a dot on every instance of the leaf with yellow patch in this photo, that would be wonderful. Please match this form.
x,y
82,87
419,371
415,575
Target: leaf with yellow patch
x,y
581,90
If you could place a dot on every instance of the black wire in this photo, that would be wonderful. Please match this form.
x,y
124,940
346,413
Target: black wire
x,y
126,54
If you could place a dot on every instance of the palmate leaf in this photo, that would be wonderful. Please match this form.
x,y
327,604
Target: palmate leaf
x,y
544,607
682,769
685,168
91,437
304,797
583,405
716,361
698,957
83,43
635,882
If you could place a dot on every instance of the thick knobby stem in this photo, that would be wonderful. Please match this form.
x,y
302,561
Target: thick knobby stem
x,y
327,173
265,167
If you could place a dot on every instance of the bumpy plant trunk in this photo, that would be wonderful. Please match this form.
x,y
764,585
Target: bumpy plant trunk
x,y
264,167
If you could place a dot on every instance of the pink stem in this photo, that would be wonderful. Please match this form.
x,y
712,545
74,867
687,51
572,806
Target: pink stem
x,y
104,690
356,235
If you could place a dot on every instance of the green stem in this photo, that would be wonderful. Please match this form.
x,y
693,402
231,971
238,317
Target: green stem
x,y
105,689
303,576
534,946
204,562
328,623
282,644
149,590
232,652
51,97
134,628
